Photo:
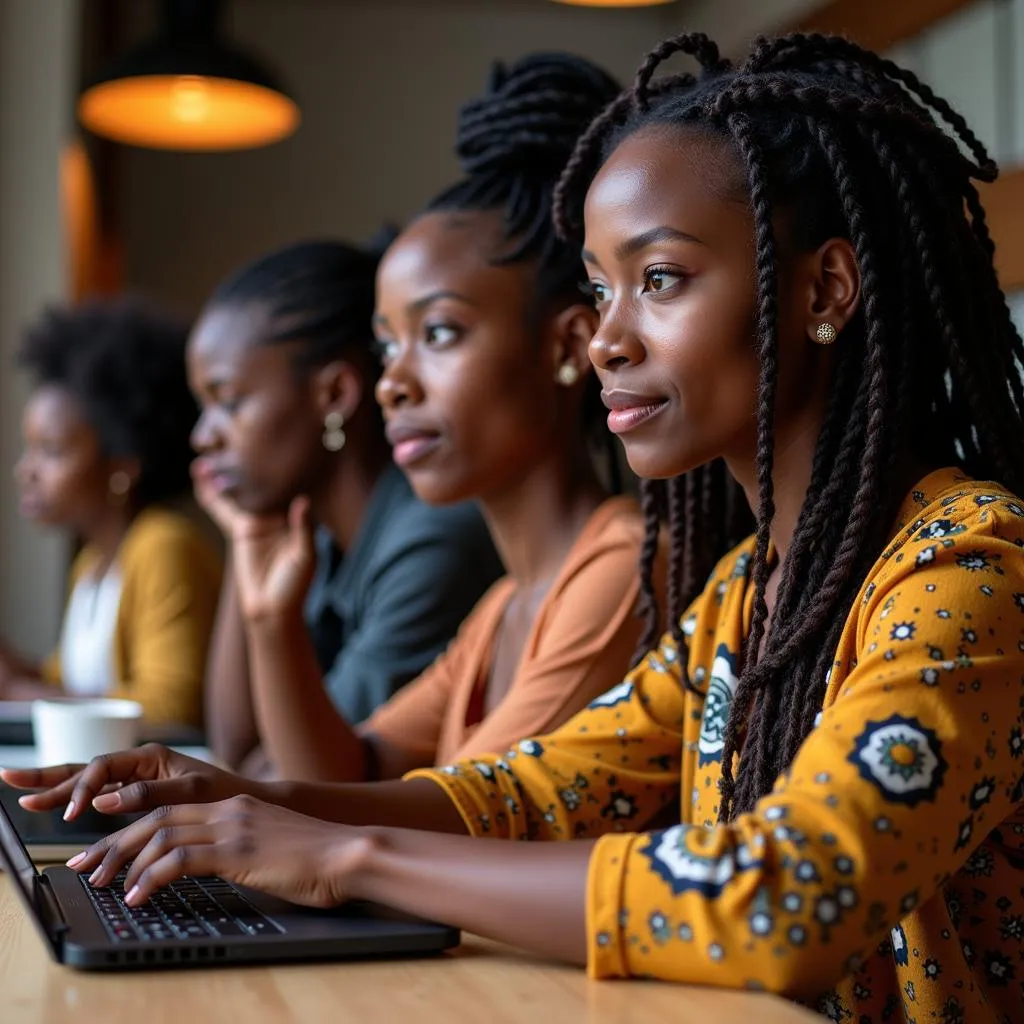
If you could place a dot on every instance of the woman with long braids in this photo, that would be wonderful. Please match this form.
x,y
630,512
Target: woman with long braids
x,y
795,280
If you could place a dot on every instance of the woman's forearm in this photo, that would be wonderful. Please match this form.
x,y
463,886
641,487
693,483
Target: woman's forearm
x,y
303,733
416,804
531,895
230,722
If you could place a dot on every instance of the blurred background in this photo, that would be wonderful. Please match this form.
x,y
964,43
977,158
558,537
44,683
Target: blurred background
x,y
372,88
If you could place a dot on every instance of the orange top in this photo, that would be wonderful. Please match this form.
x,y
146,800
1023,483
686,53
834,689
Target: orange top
x,y
581,642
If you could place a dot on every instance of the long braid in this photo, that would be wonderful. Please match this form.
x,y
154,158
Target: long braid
x,y
767,346
678,528
654,505
850,145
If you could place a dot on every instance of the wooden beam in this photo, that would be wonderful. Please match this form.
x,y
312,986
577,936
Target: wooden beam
x,y
1004,209
877,24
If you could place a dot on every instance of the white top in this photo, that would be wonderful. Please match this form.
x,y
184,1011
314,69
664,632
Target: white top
x,y
87,635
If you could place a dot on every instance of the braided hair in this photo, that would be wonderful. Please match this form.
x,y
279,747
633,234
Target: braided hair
x,y
320,293
123,361
850,145
512,143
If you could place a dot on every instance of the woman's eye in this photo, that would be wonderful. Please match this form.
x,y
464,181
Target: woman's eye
x,y
441,334
386,350
600,292
660,279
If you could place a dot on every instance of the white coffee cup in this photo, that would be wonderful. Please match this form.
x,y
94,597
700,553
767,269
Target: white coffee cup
x,y
75,731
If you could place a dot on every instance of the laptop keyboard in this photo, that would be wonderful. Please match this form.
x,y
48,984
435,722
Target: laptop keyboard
x,y
191,908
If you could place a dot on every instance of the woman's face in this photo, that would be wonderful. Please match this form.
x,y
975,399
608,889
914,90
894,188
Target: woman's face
x,y
670,252
62,475
259,432
468,389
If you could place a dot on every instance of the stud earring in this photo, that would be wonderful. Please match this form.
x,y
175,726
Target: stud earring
x,y
567,375
120,484
825,334
334,435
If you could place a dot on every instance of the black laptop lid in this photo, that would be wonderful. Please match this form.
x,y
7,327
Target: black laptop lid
x,y
22,872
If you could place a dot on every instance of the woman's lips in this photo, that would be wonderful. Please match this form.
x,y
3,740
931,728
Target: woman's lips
x,y
628,410
411,442
413,449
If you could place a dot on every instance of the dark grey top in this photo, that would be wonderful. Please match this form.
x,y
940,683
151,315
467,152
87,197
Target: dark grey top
x,y
380,613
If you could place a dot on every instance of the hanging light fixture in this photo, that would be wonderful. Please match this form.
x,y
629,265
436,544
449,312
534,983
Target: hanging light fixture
x,y
614,3
188,89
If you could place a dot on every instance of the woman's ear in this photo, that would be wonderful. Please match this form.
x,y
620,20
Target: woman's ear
x,y
337,387
833,290
571,332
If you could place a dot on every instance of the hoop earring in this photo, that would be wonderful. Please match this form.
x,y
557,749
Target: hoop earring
x,y
119,485
567,375
334,436
825,334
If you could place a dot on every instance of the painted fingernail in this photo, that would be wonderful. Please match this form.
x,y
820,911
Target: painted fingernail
x,y
70,811
132,894
107,802
77,859
22,799
94,877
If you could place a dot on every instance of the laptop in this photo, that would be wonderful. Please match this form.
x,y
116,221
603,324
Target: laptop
x,y
199,921
51,839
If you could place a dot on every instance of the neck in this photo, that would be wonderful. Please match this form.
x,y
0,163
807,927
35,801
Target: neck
x,y
535,520
340,505
105,532
791,478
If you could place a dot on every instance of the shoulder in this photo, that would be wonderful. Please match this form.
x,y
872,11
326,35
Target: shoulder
x,y
160,536
723,592
454,533
975,526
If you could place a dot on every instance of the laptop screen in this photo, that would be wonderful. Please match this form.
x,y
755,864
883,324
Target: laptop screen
x,y
16,859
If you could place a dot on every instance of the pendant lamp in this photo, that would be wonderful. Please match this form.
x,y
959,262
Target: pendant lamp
x,y
614,3
189,89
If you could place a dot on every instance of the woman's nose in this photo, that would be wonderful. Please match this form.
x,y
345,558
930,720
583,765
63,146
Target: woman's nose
x,y
398,385
205,434
615,344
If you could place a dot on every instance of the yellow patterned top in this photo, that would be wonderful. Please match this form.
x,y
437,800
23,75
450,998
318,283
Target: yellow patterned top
x,y
883,877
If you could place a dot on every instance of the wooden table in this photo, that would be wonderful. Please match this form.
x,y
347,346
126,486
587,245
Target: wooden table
x,y
480,982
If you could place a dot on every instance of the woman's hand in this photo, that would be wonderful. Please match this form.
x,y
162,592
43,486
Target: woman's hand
x,y
132,780
274,557
244,840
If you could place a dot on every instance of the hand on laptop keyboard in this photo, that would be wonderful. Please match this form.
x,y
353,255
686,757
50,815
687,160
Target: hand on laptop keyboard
x,y
191,908
133,780
260,845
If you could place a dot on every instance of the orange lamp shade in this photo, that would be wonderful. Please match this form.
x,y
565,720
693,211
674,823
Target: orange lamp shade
x,y
188,112
614,3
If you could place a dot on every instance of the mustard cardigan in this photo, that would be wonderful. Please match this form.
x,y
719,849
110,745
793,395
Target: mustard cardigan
x,y
170,587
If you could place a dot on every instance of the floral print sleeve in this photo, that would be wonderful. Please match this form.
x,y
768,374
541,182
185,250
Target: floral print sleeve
x,y
610,768
883,878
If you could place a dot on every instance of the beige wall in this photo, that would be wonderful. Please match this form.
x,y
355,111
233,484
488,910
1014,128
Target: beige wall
x,y
38,39
379,83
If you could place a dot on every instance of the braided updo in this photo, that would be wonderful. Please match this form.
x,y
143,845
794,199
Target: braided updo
x,y
513,142
850,145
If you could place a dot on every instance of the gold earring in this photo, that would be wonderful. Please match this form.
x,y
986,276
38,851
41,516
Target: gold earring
x,y
120,484
825,334
567,375
334,435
